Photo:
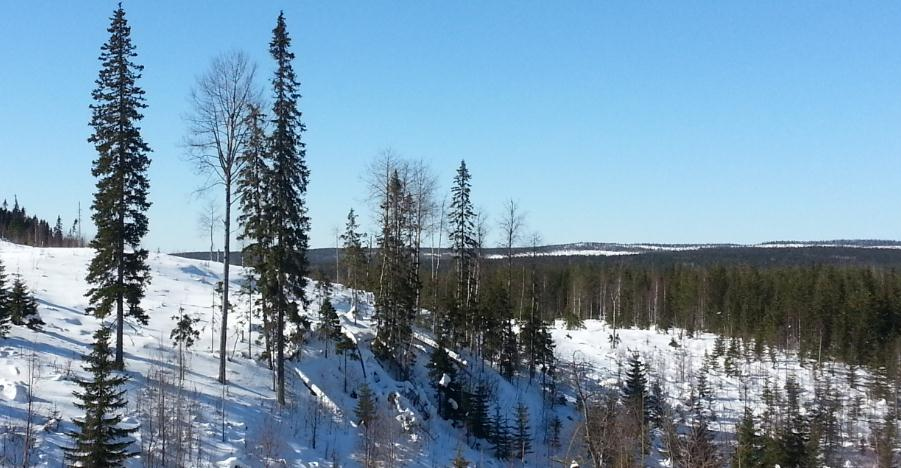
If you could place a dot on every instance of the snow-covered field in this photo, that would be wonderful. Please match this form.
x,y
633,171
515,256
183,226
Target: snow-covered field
x,y
241,425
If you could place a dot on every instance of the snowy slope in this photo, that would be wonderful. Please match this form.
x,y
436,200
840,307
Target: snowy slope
x,y
317,427
316,383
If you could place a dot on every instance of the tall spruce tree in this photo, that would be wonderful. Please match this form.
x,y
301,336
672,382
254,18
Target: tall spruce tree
x,y
253,198
118,272
99,439
463,244
396,301
287,211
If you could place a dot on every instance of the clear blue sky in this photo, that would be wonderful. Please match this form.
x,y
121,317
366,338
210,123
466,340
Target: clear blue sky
x,y
627,121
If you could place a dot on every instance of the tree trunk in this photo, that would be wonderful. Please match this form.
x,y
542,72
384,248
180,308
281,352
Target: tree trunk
x,y
280,344
120,282
225,264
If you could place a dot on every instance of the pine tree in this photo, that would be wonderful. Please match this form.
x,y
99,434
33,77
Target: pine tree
x,y
345,347
185,332
522,435
463,244
118,272
5,319
749,445
22,308
286,210
99,440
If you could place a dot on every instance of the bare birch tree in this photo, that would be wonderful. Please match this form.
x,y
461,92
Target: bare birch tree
x,y
218,130
512,223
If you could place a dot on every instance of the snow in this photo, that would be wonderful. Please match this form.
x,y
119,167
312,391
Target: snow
x,y
318,402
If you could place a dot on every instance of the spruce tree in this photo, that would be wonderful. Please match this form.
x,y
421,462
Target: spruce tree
x,y
494,310
698,447
118,272
635,389
253,198
509,358
477,418
4,304
396,301
500,435
287,211
463,244
795,433
749,445
353,258
365,411
58,232
522,435
443,376
22,308
99,440
329,323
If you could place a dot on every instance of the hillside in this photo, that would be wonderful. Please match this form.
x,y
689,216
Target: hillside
x,y
240,425
783,253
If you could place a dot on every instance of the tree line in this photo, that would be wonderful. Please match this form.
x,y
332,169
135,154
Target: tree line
x,y
17,226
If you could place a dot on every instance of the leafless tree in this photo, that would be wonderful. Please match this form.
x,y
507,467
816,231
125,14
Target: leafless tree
x,y
218,131
34,373
207,221
511,224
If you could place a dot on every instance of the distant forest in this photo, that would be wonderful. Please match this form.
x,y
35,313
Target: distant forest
x,y
829,302
16,225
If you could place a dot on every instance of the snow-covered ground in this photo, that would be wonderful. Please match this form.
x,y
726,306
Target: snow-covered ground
x,y
241,425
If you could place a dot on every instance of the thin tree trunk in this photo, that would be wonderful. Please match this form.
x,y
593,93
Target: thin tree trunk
x,y
225,271
280,343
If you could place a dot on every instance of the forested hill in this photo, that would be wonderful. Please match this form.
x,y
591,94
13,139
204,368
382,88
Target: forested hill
x,y
866,252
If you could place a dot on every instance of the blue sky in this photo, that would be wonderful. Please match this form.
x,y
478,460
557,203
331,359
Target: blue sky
x,y
626,121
